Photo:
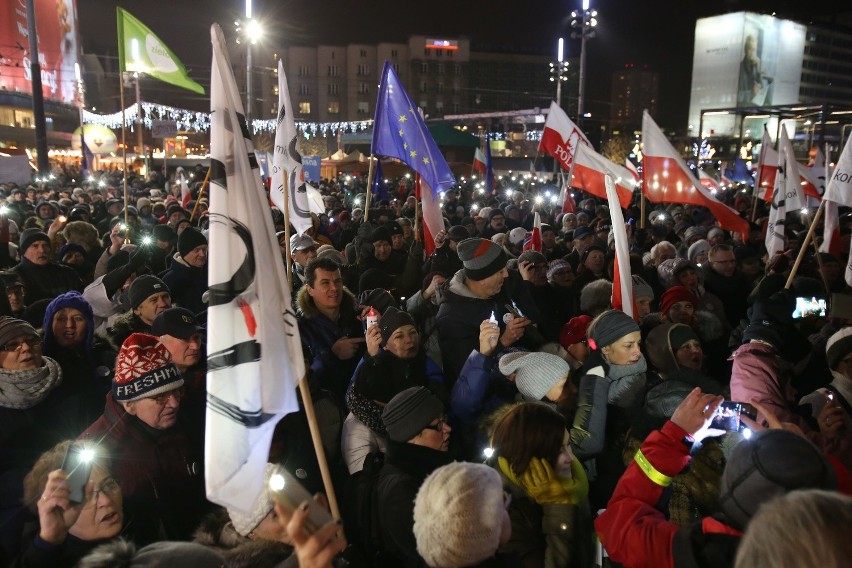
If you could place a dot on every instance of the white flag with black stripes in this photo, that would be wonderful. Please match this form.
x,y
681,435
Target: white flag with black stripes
x,y
254,355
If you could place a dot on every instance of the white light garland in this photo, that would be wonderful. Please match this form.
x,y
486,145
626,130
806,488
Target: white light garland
x,y
188,120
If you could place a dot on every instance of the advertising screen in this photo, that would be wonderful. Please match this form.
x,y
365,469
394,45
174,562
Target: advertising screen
x,y
743,60
58,45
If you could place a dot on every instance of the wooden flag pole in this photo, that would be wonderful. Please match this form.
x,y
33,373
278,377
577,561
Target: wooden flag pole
x,y
200,194
288,264
754,199
804,245
123,151
310,414
641,208
819,264
369,190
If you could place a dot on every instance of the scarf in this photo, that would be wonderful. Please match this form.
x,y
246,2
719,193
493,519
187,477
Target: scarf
x,y
627,382
365,410
25,389
577,486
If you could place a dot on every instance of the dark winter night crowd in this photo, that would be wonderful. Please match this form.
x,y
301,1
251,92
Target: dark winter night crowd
x,y
479,405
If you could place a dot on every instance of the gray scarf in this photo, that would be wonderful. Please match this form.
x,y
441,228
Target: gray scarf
x,y
24,389
626,383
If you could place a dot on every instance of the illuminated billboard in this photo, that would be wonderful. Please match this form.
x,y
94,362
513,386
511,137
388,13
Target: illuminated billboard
x,y
743,60
58,46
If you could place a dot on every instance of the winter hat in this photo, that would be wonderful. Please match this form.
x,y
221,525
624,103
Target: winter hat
x,y
641,289
674,295
142,202
693,232
328,251
164,233
188,240
409,412
143,369
244,523
378,298
29,236
62,301
770,464
697,248
574,331
537,372
680,334
380,234
837,346
71,247
301,242
393,319
581,232
589,251
770,318
610,327
668,270
481,258
11,328
532,256
174,209
517,235
558,265
120,552
144,286
495,212
458,515
458,233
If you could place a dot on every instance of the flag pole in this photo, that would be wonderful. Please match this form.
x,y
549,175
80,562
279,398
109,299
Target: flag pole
x,y
200,193
310,414
641,207
819,265
754,198
123,149
804,246
417,220
369,189
288,270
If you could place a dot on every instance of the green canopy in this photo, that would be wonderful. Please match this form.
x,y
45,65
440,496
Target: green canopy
x,y
446,135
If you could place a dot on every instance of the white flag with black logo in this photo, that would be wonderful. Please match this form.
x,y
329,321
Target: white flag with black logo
x,y
254,355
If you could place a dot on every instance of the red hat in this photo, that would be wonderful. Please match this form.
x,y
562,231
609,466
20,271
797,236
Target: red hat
x,y
574,331
144,369
674,295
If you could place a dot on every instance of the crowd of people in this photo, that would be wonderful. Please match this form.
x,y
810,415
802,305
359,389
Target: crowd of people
x,y
479,404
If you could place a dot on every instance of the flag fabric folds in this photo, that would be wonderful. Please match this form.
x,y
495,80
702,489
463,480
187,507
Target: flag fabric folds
x,y
380,188
561,136
399,132
708,181
784,195
254,355
566,198
88,157
794,192
185,193
589,170
532,240
490,182
839,189
140,50
478,162
287,166
667,179
767,166
622,280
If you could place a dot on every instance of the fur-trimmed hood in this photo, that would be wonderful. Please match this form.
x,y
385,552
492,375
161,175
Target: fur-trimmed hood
x,y
707,325
309,310
122,327
217,532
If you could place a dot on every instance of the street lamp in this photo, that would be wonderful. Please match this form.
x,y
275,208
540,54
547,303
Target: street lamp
x,y
584,24
249,31
559,71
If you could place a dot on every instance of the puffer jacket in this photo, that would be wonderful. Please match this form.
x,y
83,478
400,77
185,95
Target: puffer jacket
x,y
187,284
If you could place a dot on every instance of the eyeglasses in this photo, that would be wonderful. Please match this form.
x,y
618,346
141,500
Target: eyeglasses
x,y
162,399
438,427
110,486
16,345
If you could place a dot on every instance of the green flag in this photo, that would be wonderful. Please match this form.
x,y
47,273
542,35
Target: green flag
x,y
139,50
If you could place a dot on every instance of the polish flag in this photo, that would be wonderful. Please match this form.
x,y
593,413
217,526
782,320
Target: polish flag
x,y
561,137
767,167
667,179
532,240
433,221
566,198
622,280
708,181
632,168
590,168
479,162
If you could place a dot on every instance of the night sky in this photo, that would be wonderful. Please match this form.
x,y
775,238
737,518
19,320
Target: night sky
x,y
658,33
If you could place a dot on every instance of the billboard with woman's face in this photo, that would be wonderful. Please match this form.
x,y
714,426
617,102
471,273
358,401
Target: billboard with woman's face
x,y
743,60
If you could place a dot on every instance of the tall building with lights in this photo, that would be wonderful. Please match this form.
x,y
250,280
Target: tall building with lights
x,y
634,89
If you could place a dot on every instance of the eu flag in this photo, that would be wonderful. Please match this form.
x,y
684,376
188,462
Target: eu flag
x,y
489,167
399,132
380,188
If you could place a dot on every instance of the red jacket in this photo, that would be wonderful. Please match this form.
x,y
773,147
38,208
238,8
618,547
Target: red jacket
x,y
633,531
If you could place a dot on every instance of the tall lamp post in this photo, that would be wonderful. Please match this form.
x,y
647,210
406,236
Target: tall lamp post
x,y
559,70
584,24
249,31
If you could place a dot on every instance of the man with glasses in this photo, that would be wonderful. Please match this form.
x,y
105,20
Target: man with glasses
x,y
727,282
418,440
157,461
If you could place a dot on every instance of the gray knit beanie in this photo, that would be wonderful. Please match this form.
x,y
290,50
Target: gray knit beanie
x,y
10,328
409,412
537,372
481,258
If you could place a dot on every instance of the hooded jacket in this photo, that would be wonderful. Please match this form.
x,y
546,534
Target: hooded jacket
x,y
187,284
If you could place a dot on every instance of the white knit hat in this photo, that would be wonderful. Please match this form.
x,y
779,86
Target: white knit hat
x,y
244,523
458,515
537,372
837,346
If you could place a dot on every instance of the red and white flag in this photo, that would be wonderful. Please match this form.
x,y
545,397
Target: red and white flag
x,y
767,166
254,353
532,240
708,181
561,137
433,220
839,188
667,179
622,280
566,196
479,161
589,170
632,168
185,193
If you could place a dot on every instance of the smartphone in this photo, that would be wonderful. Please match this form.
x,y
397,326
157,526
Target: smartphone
x,y
78,465
807,307
289,493
728,416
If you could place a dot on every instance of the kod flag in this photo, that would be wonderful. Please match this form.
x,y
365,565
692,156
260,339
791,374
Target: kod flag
x,y
254,353
140,50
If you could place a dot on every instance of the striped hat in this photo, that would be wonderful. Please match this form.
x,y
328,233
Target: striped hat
x,y
481,258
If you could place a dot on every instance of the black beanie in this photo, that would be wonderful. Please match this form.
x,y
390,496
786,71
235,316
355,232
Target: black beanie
x,y
29,236
393,319
144,286
164,233
380,234
188,240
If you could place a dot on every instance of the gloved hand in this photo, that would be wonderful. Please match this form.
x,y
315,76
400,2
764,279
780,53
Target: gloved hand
x,y
541,483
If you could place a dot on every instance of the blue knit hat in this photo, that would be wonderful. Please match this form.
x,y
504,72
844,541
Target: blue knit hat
x,y
67,300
